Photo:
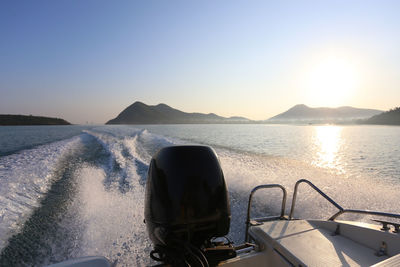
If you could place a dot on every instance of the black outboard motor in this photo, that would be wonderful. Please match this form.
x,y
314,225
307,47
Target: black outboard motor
x,y
186,205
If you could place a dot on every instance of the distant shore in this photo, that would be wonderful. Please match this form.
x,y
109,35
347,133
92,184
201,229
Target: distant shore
x,y
20,120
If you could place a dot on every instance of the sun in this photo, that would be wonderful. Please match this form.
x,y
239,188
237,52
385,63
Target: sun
x,y
331,82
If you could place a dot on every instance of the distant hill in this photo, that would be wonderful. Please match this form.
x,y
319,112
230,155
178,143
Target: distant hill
x,y
391,117
304,114
30,120
140,113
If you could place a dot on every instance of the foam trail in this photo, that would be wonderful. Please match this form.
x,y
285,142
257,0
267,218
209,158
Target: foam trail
x,y
122,164
111,201
113,222
25,179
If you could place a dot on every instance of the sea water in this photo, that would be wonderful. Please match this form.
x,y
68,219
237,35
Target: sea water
x,y
71,191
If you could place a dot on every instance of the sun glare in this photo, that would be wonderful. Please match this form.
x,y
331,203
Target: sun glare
x,y
331,82
327,143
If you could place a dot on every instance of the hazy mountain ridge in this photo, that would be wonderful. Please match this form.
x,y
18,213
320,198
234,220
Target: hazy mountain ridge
x,y
140,113
303,113
391,117
8,119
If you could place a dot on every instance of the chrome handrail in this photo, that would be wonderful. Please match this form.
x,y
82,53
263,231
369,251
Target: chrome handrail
x,y
250,201
316,189
368,212
341,210
282,216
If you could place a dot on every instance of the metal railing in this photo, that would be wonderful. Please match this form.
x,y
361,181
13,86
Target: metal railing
x,y
330,200
341,210
264,218
367,212
316,189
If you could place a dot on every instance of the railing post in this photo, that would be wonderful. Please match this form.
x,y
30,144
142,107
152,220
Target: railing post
x,y
250,201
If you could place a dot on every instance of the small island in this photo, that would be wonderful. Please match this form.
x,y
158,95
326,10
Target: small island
x,y
140,113
14,120
307,115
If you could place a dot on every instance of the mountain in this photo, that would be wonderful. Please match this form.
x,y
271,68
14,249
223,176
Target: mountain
x,y
30,120
304,114
140,113
391,117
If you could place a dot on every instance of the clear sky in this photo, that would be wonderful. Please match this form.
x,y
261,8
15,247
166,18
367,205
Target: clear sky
x,y
87,60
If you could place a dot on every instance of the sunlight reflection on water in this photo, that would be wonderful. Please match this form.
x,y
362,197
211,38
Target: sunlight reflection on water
x,y
328,141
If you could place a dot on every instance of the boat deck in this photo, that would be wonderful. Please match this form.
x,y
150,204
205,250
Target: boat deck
x,y
316,243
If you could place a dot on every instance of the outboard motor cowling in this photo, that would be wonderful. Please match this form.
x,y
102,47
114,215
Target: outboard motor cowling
x,y
186,196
